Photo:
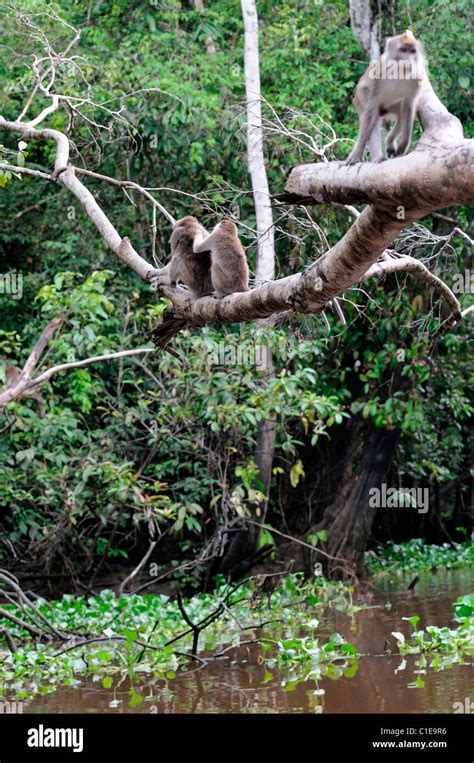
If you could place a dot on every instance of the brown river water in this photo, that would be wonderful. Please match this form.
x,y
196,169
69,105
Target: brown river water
x,y
236,684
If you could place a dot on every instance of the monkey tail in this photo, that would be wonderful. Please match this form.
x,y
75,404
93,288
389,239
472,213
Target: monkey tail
x,y
165,331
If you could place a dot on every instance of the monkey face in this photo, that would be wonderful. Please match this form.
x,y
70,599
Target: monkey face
x,y
407,49
404,47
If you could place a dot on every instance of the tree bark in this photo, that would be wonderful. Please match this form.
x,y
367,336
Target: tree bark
x,y
349,519
365,28
265,444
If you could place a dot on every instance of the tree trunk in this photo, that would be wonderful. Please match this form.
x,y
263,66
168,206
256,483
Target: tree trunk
x,y
264,217
348,520
365,28
210,47
265,445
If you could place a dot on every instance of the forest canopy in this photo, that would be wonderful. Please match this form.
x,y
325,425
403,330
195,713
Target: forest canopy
x,y
269,422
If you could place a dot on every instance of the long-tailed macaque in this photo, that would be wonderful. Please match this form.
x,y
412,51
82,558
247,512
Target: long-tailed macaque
x,y
229,269
185,265
389,88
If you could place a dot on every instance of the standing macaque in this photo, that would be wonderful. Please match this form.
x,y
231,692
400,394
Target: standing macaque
x,y
185,265
229,269
389,88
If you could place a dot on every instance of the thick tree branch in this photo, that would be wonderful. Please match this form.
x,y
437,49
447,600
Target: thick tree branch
x,y
438,173
30,133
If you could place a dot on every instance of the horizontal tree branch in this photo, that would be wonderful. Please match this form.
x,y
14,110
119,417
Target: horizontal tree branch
x,y
46,375
25,384
5,167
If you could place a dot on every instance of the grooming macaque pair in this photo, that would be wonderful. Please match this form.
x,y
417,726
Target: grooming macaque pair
x,y
206,263
389,89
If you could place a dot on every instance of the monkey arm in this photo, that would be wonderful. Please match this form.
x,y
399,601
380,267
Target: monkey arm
x,y
201,242
169,275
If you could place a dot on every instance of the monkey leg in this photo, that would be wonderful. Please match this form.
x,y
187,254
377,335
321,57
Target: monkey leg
x,y
160,277
406,119
391,145
375,142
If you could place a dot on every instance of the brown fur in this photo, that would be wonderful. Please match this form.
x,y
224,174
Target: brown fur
x,y
185,266
377,97
229,269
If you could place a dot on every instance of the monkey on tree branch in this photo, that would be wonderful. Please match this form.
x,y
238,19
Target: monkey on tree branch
x,y
390,87
206,263
438,173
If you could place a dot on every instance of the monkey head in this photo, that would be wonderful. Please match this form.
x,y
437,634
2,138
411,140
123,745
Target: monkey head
x,y
184,232
403,47
228,227
186,222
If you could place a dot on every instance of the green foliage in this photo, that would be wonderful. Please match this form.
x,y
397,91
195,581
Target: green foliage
x,y
415,555
310,658
130,442
440,648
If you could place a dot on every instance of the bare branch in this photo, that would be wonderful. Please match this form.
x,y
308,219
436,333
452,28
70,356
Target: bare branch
x,y
30,133
410,264
44,377
46,111
128,184
24,171
25,384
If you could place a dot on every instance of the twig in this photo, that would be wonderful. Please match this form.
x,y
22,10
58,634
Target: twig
x,y
196,629
137,569
9,638
295,540
14,619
